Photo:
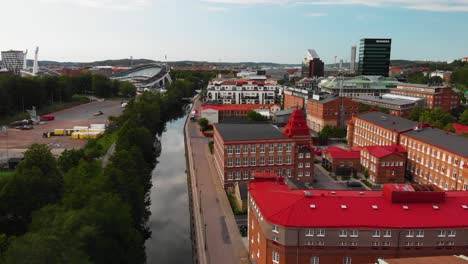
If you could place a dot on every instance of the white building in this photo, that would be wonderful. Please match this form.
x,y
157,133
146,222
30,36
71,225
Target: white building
x,y
13,60
243,91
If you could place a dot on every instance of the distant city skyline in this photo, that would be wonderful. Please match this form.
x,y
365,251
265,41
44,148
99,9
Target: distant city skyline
x,y
278,31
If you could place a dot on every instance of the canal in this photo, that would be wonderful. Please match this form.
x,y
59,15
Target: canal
x,y
169,222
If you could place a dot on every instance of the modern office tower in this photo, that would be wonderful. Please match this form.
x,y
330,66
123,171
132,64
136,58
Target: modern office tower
x,y
352,64
374,57
312,66
13,60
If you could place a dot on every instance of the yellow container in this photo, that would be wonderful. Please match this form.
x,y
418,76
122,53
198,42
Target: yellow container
x,y
59,132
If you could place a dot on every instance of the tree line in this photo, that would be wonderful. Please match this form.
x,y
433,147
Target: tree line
x,y
71,210
19,93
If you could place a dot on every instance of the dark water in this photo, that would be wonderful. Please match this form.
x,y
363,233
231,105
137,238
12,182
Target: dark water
x,y
170,218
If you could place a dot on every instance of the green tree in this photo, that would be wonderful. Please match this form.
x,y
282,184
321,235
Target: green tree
x,y
416,113
127,89
436,117
326,132
435,80
417,77
255,116
203,123
101,86
69,159
464,117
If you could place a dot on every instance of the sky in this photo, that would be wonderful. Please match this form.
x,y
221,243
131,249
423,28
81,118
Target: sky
x,y
232,30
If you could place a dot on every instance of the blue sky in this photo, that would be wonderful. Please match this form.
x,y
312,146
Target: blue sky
x,y
233,30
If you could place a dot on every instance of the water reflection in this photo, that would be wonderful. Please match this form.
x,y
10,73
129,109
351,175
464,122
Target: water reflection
x,y
170,219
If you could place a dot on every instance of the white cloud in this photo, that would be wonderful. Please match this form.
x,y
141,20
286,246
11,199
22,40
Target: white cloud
x,y
215,9
426,5
111,4
316,14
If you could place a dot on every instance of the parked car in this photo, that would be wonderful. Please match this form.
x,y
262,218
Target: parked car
x,y
354,184
47,117
98,113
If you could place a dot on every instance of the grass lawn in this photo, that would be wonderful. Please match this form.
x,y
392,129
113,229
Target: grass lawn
x,y
6,173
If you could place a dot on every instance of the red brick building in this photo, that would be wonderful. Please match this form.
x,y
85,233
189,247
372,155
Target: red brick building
x,y
295,98
436,96
385,164
341,161
217,113
436,156
376,128
322,111
240,150
334,227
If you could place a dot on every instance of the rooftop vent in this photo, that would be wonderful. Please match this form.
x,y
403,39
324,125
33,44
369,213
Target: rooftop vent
x,y
343,206
436,207
333,192
312,206
361,193
464,206
307,193
375,207
405,207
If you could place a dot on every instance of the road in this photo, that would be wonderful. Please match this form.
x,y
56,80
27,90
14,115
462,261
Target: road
x,y
223,240
325,182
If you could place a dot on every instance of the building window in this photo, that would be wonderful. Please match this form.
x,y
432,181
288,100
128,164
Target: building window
x,y
288,147
280,147
450,243
238,149
347,260
300,174
442,233
229,175
309,232
418,243
300,165
229,149
343,233
238,162
288,159
271,147
307,164
354,233
245,161
262,161
353,243
229,163
375,243
307,173
320,232
307,155
275,229
386,243
252,161
238,175
408,244
387,233
376,233
262,148
410,233
451,233
440,243
301,155
275,238
288,172
276,257
314,260
246,149
246,175
271,160
252,148
320,243
280,160
420,233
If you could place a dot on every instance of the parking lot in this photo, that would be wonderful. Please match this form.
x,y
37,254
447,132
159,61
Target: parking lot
x,y
14,142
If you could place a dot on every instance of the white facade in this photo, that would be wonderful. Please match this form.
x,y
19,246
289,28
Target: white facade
x,y
13,60
243,92
211,115
352,64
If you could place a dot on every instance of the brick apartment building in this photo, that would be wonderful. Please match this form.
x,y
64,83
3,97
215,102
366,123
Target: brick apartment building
x,y
334,227
240,150
341,161
396,107
295,97
438,157
376,128
322,111
436,96
385,164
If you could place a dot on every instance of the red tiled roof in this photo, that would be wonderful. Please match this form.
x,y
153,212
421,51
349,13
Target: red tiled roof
x,y
292,208
383,151
339,153
236,107
459,128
